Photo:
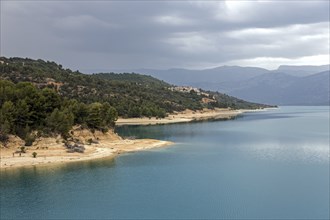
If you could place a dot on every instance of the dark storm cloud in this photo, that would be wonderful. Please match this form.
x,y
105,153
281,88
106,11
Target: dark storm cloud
x,y
133,34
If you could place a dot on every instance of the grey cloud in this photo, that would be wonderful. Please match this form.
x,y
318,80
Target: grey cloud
x,y
134,34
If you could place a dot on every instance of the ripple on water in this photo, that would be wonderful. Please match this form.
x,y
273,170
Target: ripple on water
x,y
306,153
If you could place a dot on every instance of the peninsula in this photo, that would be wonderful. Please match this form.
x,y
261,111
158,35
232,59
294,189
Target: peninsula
x,y
52,150
50,115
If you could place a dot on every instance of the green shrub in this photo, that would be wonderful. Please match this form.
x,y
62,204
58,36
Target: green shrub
x,y
23,150
34,154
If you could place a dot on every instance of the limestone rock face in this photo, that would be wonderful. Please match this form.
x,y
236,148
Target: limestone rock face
x,y
84,136
13,142
79,135
47,142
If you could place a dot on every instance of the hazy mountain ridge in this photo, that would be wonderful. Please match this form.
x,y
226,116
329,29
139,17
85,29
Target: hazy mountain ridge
x,y
284,89
287,85
302,70
218,74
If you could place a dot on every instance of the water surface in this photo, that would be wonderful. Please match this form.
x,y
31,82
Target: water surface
x,y
272,164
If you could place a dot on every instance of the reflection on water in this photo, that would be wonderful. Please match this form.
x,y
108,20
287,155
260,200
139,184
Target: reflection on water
x,y
163,132
265,165
56,168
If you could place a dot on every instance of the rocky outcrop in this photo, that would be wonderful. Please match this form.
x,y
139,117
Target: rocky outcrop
x,y
12,142
79,136
85,136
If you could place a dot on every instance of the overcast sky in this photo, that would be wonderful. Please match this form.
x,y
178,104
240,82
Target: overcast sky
x,y
107,35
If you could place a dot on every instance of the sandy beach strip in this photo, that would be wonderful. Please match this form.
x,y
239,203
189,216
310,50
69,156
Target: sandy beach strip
x,y
185,116
57,153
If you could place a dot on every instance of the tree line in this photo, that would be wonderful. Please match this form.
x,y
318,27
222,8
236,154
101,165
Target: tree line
x,y
28,112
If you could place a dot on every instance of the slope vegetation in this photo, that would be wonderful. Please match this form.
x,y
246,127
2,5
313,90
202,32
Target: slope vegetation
x,y
132,95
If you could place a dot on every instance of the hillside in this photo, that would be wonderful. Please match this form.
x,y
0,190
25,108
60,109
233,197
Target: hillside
x,y
132,95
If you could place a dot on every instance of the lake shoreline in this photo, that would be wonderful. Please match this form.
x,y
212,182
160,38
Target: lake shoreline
x,y
188,116
51,151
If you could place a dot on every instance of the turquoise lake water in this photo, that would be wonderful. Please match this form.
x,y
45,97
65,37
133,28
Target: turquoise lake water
x,y
272,164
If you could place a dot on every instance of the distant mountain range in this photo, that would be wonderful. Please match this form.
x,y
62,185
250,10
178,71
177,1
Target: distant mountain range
x,y
285,89
302,70
287,85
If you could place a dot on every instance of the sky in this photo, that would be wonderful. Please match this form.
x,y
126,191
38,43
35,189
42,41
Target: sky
x,y
108,35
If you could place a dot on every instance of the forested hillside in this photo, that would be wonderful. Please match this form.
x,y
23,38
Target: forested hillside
x,y
132,95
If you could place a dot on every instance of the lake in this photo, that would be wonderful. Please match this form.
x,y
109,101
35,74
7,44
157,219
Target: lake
x,y
272,164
